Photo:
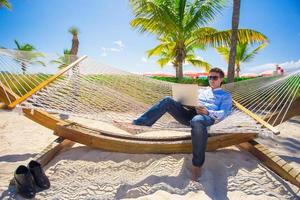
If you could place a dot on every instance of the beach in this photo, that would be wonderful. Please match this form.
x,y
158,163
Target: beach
x,y
85,173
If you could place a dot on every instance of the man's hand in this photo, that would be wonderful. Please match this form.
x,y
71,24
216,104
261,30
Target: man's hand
x,y
201,110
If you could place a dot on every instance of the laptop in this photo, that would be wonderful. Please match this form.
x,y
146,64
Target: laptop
x,y
186,94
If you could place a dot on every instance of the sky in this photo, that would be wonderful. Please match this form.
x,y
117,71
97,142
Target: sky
x,y
105,33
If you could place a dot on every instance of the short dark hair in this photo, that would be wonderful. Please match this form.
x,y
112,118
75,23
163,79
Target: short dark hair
x,y
217,70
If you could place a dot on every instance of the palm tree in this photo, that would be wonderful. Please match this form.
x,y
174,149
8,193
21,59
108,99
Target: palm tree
x,y
243,54
27,52
6,4
75,42
234,39
74,49
63,60
165,51
73,56
180,27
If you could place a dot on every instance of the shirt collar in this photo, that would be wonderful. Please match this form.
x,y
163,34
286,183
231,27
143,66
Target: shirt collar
x,y
216,89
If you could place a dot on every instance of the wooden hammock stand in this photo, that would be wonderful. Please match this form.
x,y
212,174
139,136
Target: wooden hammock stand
x,y
69,133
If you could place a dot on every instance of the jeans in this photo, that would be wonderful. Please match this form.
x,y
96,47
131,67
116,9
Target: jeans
x,y
186,116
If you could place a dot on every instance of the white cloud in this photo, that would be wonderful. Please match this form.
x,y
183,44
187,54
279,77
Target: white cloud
x,y
291,65
103,54
120,47
143,59
287,66
183,64
120,44
199,58
115,49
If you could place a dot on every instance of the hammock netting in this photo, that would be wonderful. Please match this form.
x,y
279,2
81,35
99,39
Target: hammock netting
x,y
100,92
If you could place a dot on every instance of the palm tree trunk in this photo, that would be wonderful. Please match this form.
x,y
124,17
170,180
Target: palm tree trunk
x,y
74,51
75,45
23,67
234,37
179,72
238,69
75,69
180,57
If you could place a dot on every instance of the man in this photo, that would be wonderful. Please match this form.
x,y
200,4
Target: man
x,y
214,105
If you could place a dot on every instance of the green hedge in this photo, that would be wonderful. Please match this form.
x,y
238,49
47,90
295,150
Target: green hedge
x,y
203,81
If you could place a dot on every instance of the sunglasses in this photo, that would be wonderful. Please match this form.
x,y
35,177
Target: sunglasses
x,y
213,78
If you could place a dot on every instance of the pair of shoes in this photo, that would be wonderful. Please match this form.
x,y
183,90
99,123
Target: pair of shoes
x,y
26,177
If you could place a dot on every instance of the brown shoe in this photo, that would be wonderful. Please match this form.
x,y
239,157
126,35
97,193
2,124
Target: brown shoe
x,y
24,182
39,175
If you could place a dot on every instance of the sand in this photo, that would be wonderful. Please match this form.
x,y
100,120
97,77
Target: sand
x,y
85,173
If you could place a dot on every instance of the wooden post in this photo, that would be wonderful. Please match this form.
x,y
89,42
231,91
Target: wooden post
x,y
273,162
53,150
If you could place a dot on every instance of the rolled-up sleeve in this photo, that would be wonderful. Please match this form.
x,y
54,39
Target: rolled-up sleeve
x,y
224,109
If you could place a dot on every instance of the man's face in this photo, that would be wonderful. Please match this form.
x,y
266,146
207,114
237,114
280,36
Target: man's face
x,y
214,80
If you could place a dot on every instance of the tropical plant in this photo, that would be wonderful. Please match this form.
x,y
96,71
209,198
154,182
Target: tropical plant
x,y
73,56
243,54
27,52
233,40
63,60
165,51
6,4
75,42
74,49
180,27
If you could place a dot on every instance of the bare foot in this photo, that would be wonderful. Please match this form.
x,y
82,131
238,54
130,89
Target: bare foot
x,y
129,127
196,173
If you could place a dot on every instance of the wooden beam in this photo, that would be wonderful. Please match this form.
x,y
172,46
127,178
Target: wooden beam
x,y
43,118
139,145
44,83
6,95
3,105
52,150
273,162
257,118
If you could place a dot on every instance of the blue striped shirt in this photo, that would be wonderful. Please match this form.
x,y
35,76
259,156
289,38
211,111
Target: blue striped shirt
x,y
217,102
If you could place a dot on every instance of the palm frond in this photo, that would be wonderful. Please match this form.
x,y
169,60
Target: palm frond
x,y
56,62
153,16
163,61
203,12
224,52
181,5
6,4
222,38
73,30
200,63
251,55
67,51
156,50
39,62
199,36
17,44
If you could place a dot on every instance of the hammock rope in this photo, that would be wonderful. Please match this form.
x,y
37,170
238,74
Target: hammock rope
x,y
90,89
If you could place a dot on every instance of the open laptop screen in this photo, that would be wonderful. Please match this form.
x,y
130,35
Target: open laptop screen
x,y
186,94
